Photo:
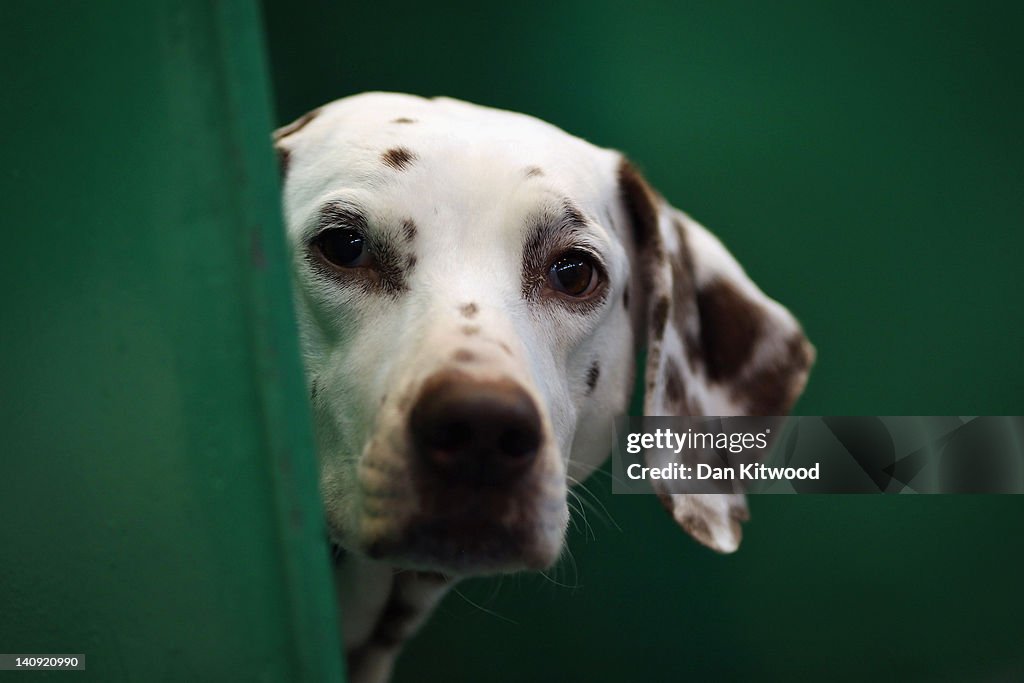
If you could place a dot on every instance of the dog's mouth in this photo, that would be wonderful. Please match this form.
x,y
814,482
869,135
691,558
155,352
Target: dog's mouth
x,y
459,547
462,532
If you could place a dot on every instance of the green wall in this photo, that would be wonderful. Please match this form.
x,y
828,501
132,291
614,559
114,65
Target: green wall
x,y
865,162
158,506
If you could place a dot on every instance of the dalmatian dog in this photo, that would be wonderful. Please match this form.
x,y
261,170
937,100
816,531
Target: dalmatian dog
x,y
473,287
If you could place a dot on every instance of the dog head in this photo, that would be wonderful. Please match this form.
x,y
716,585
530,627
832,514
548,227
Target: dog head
x,y
472,286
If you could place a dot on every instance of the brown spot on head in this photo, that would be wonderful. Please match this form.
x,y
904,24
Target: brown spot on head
x,y
730,325
470,330
464,355
534,172
398,158
593,372
469,310
403,119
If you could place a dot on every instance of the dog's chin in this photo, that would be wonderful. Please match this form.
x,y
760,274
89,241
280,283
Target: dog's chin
x,y
462,549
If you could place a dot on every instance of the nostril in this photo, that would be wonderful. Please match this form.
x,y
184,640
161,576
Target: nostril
x,y
471,430
518,442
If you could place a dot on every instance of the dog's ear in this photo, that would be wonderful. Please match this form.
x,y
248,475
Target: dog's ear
x,y
716,344
281,135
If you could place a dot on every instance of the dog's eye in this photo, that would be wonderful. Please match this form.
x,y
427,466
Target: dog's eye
x,y
574,273
342,247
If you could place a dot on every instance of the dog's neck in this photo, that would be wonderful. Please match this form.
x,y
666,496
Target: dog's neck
x,y
381,606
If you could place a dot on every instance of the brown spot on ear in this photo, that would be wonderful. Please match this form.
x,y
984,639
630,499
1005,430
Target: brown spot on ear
x,y
284,154
659,317
398,158
592,374
470,330
534,171
469,310
409,229
641,205
683,299
730,325
464,355
773,389
675,389
402,119
698,528
296,125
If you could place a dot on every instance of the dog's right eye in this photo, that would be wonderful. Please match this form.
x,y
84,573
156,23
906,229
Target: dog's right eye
x,y
342,247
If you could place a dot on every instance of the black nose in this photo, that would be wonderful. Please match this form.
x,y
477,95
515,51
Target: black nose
x,y
475,431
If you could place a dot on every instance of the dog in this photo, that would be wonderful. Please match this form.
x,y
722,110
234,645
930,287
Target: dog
x,y
472,289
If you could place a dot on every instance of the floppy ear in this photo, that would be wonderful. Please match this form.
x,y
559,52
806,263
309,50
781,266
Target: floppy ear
x,y
716,344
280,136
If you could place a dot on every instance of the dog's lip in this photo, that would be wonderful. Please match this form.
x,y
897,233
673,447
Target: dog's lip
x,y
462,548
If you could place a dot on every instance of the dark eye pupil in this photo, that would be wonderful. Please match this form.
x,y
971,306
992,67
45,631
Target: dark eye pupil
x,y
572,274
341,247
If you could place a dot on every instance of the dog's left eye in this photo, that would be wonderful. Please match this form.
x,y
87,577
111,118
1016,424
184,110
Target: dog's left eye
x,y
342,247
574,274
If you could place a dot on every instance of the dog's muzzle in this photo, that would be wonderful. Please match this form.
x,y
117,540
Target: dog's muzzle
x,y
487,487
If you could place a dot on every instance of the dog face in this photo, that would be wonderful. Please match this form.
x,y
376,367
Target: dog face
x,y
471,287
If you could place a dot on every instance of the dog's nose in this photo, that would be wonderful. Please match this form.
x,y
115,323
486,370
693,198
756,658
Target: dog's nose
x,y
475,431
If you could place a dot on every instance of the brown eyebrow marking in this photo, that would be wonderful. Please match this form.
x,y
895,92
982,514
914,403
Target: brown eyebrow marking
x,y
398,158
557,229
534,171
403,119
469,310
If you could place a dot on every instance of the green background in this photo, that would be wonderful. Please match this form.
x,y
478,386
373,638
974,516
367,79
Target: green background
x,y
865,162
158,501
158,509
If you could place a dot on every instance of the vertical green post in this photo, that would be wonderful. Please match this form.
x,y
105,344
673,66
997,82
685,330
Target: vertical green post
x,y
158,488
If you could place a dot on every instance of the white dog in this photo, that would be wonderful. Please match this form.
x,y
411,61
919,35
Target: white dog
x,y
473,287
